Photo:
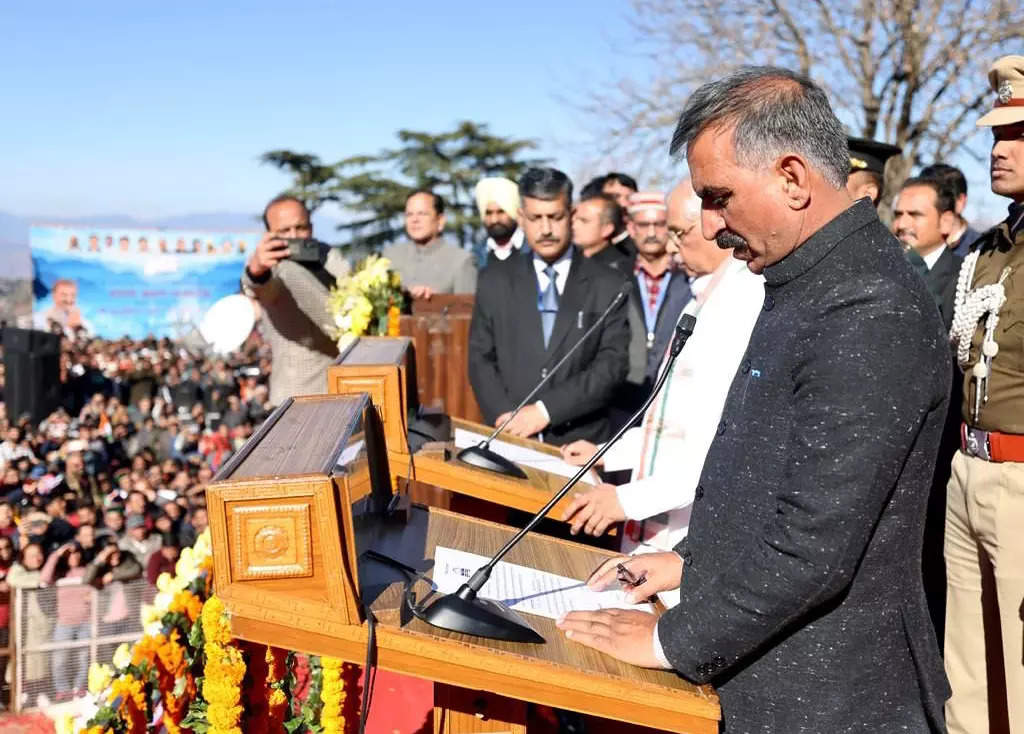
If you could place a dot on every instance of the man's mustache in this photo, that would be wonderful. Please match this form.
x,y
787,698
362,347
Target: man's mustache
x,y
730,240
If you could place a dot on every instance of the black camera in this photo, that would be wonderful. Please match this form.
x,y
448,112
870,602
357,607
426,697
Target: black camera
x,y
304,249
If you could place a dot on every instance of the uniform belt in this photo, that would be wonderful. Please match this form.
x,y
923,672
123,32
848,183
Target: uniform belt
x,y
991,445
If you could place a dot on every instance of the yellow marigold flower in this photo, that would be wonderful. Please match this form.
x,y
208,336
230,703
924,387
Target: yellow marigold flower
x,y
148,613
100,677
122,656
202,547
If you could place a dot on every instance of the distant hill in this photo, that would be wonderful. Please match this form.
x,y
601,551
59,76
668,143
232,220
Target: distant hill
x,y
14,230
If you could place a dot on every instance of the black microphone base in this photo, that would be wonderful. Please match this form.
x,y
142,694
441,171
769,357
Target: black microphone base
x,y
479,617
482,457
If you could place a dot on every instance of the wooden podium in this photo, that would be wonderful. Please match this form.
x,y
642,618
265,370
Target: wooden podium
x,y
291,518
383,367
440,330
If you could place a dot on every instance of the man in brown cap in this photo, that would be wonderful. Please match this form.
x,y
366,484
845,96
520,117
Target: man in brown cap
x,y
985,497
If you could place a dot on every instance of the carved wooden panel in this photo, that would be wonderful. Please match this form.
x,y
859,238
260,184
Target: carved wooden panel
x,y
375,385
270,541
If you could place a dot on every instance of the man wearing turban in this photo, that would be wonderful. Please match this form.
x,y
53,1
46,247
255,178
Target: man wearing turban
x,y
497,200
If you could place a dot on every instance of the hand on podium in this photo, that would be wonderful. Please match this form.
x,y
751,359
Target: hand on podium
x,y
579,452
532,419
421,292
621,633
594,510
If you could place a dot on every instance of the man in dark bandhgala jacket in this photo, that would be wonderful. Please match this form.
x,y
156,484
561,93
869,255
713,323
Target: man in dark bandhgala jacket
x,y
529,314
801,598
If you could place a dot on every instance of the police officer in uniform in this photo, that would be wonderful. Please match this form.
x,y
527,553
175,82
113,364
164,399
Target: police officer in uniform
x,y
867,179
867,167
984,541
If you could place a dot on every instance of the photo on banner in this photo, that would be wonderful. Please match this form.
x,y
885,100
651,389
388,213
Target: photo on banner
x,y
115,282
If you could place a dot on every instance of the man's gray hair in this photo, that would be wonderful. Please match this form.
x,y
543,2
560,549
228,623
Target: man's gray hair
x,y
772,111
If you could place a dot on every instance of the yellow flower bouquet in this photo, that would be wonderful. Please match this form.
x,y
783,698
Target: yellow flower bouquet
x,y
368,300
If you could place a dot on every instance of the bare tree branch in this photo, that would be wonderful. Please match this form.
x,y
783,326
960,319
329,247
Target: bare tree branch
x,y
911,72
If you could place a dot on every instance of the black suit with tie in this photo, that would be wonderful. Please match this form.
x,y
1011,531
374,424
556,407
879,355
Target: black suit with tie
x,y
507,356
941,280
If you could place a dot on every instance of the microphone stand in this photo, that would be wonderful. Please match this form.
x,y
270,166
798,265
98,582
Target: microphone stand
x,y
481,455
463,611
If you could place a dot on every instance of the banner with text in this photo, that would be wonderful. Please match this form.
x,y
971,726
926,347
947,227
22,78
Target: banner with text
x,y
135,282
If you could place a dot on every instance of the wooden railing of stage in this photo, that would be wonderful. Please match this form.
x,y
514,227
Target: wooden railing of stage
x,y
291,516
439,329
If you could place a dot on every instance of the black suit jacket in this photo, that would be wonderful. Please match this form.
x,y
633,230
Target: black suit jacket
x,y
801,594
941,280
676,298
507,357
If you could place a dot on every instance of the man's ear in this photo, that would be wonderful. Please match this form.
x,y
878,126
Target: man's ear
x,y
947,221
440,224
870,190
520,218
607,230
630,227
793,175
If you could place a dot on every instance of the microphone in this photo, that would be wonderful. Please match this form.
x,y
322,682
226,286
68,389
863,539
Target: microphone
x,y
464,611
481,455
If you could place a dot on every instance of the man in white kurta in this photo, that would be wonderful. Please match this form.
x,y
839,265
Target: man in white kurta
x,y
666,452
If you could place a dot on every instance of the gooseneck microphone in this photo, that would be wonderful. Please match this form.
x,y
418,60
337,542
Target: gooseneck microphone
x,y
481,455
464,611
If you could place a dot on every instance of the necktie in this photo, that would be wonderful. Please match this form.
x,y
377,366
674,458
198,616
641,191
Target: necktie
x,y
548,305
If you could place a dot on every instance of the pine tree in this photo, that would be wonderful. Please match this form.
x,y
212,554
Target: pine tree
x,y
372,188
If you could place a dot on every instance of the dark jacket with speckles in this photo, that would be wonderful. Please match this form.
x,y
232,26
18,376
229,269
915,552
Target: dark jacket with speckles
x,y
801,597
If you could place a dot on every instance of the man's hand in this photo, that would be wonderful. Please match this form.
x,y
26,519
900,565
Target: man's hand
x,y
421,292
662,571
623,634
530,420
593,510
269,252
579,452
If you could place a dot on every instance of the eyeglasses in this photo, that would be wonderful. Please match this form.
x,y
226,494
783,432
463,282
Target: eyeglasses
x,y
677,235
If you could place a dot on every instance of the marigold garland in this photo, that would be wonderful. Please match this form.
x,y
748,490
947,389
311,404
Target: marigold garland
x,y
277,702
132,709
173,676
154,684
188,604
224,670
332,695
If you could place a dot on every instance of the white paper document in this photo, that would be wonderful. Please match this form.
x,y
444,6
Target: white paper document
x,y
526,589
521,455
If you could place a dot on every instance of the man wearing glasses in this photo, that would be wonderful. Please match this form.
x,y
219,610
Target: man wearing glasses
x,y
660,292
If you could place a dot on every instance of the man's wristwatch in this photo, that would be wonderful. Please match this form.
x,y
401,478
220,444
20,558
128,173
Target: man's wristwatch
x,y
258,279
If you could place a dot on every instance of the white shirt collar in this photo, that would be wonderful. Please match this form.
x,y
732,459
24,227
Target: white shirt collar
x,y
503,251
932,257
698,284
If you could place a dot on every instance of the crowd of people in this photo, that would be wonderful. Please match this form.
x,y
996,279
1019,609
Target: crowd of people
x,y
108,488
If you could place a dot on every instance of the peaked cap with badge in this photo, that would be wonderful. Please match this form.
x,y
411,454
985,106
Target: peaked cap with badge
x,y
1006,78
870,155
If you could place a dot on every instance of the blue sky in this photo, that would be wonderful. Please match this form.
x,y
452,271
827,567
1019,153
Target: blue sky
x,y
153,110
164,110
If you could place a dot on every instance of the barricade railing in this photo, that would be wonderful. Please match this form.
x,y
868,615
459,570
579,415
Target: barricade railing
x,y
58,631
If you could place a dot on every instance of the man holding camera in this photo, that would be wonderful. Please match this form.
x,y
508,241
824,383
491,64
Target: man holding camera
x,y
289,274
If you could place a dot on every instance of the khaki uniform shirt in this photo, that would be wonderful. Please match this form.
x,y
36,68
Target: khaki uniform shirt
x,y
1004,411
